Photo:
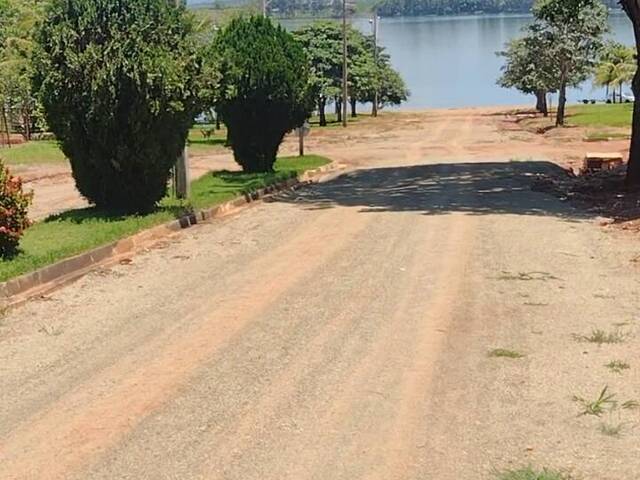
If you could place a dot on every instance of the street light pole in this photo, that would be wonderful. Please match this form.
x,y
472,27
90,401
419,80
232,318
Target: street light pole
x,y
374,111
182,163
344,64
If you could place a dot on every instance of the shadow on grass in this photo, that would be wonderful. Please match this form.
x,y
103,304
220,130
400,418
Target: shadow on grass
x,y
91,214
209,189
211,142
473,188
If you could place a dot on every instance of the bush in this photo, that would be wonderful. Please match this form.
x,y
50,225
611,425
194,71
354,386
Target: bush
x,y
14,204
118,80
263,89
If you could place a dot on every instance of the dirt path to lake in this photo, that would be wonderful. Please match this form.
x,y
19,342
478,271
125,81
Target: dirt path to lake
x,y
394,138
424,316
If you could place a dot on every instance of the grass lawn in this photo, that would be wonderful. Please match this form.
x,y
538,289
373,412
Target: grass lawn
x,y
200,144
332,120
73,232
34,152
47,151
604,115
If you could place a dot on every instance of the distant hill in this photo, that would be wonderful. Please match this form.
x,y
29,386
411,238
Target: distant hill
x,y
459,7
292,8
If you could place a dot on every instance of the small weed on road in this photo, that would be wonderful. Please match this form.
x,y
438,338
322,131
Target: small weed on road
x,y
605,401
527,276
531,474
601,337
617,366
611,429
503,353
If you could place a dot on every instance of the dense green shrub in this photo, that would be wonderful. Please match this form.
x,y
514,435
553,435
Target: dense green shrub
x,y
14,204
119,83
263,89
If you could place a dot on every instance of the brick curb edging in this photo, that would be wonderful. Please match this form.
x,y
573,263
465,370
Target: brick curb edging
x,y
20,289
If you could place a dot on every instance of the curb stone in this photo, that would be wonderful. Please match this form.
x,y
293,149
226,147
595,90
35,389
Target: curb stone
x,y
19,290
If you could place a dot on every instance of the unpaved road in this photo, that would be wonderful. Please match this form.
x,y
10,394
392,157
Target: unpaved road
x,y
338,332
393,138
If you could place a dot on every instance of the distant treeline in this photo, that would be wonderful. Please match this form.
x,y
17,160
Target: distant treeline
x,y
460,7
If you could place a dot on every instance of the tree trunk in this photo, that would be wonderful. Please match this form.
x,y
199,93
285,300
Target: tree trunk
x,y
633,168
26,120
632,9
339,110
562,102
541,102
322,104
6,125
217,121
354,103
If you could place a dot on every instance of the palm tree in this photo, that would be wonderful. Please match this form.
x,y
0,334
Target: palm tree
x,y
616,68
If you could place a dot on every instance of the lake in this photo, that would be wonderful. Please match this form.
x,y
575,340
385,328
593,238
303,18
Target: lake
x,y
451,61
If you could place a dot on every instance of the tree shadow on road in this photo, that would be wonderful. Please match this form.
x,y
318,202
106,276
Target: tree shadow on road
x,y
474,188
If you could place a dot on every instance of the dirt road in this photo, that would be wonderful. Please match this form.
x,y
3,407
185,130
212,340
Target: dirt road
x,y
392,139
340,332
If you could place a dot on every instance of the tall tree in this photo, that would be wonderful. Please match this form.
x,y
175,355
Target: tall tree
x,y
322,43
632,8
264,87
18,102
574,32
530,68
119,80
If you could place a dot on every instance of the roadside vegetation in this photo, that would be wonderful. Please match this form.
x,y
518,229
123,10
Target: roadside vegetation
x,y
75,231
147,85
557,51
529,473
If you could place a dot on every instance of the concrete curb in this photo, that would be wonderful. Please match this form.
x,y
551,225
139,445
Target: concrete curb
x,y
20,289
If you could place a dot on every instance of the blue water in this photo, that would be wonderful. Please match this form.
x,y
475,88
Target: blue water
x,y
451,61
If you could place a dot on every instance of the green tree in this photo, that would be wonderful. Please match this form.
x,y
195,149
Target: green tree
x,y
632,9
18,102
529,67
322,43
119,80
616,67
573,30
264,89
392,89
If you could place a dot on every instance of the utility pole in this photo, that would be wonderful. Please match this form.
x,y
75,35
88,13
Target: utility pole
x,y
374,111
345,91
182,164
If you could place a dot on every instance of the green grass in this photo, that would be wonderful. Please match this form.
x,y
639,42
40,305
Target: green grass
x,y
610,115
618,366
73,232
199,143
611,429
47,151
600,337
332,120
529,473
39,151
503,353
606,136
604,401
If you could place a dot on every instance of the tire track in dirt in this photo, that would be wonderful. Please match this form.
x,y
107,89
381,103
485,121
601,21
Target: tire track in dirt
x,y
263,414
96,415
